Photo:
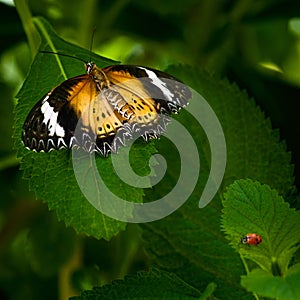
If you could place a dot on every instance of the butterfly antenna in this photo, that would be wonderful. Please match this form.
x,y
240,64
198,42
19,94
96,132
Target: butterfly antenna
x,y
92,41
63,54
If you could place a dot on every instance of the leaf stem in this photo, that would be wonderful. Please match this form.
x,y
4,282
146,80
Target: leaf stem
x,y
110,17
245,264
64,277
85,28
29,28
247,271
132,247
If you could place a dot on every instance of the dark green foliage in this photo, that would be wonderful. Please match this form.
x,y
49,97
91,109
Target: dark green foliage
x,y
146,285
192,236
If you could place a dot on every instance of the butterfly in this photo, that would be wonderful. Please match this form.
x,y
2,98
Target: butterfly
x,y
109,106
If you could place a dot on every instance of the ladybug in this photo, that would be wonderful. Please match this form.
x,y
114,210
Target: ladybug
x,y
251,239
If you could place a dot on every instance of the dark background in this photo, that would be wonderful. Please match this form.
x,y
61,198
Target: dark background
x,y
253,43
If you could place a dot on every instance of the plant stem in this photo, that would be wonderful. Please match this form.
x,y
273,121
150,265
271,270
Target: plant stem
x,y
110,17
133,245
248,271
64,277
30,30
85,27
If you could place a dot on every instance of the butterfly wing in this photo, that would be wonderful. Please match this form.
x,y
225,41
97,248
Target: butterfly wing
x,y
117,100
168,93
148,97
52,121
75,113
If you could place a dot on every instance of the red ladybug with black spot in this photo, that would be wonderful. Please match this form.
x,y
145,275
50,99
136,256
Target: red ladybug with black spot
x,y
251,239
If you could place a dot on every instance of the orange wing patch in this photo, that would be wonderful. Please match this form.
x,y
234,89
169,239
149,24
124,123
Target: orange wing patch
x,y
143,108
93,109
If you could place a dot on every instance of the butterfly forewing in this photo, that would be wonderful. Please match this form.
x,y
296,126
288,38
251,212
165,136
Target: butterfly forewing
x,y
52,121
108,106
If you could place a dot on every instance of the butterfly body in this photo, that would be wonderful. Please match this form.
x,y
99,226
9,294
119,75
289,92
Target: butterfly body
x,y
109,105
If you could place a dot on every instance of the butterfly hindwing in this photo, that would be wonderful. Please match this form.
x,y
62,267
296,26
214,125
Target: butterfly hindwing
x,y
152,96
168,93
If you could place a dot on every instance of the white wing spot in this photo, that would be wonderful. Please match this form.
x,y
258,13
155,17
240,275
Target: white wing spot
x,y
159,83
45,99
50,119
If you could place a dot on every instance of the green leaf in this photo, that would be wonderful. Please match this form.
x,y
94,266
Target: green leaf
x,y
254,149
51,175
250,207
265,284
190,242
145,285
